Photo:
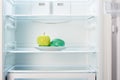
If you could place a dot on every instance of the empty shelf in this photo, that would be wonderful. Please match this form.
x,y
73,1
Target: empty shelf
x,y
22,69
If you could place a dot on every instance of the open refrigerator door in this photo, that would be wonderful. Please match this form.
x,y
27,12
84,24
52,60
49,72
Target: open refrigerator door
x,y
113,8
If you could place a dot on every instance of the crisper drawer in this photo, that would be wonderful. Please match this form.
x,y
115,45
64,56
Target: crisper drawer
x,y
51,73
51,76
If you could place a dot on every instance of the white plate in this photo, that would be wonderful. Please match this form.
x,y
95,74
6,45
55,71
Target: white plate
x,y
50,48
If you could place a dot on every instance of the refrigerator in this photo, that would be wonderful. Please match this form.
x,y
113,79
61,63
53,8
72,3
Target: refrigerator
x,y
83,26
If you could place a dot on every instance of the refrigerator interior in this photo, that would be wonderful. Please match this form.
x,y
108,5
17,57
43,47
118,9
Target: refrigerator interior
x,y
77,23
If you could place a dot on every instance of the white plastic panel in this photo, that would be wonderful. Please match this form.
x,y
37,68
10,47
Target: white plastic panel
x,y
61,8
83,8
22,8
40,8
54,7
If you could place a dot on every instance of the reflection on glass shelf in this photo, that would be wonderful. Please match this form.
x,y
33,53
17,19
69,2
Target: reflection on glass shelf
x,y
24,68
65,50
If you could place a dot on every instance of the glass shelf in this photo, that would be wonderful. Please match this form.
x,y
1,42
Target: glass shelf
x,y
52,18
49,17
23,68
66,50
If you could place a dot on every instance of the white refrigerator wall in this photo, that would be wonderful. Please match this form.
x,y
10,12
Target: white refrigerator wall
x,y
71,32
55,60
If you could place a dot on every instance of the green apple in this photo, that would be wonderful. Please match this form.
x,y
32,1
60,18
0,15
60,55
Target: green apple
x,y
43,40
57,42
